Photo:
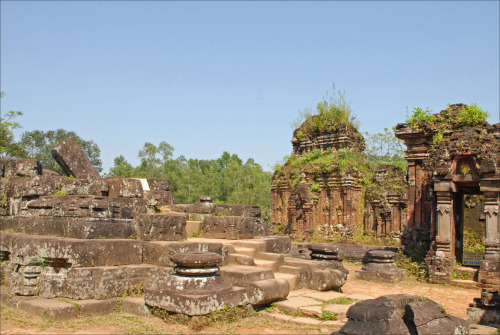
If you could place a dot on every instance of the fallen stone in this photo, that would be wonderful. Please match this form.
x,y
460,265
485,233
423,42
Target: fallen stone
x,y
311,311
401,314
73,160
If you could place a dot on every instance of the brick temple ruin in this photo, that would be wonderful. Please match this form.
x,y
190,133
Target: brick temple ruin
x,y
448,163
92,240
330,199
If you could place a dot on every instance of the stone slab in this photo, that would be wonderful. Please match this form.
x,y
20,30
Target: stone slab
x,y
241,275
76,252
311,311
73,160
69,227
325,295
94,306
49,309
301,292
161,227
306,321
293,304
135,306
277,316
158,253
228,227
19,167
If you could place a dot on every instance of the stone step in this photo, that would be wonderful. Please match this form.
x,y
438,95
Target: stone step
x,y
245,251
259,246
273,265
464,283
240,259
290,278
269,256
467,272
289,269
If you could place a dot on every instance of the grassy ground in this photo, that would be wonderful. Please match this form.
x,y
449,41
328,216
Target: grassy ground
x,y
14,321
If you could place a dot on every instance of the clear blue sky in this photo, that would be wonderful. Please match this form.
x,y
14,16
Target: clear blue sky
x,y
209,77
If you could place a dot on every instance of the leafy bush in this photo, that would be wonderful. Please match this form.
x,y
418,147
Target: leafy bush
x,y
472,115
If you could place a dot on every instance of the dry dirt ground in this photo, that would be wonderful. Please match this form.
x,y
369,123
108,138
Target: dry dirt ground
x,y
455,300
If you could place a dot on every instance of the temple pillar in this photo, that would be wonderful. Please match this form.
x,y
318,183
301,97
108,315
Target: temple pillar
x,y
492,236
443,261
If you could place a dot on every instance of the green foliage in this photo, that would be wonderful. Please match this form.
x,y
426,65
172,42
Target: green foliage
x,y
467,115
60,191
225,315
385,148
472,115
419,116
437,138
473,242
38,144
330,114
327,315
228,179
8,146
315,187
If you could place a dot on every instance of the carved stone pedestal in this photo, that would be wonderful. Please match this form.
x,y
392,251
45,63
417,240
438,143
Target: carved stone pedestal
x,y
324,252
196,288
380,267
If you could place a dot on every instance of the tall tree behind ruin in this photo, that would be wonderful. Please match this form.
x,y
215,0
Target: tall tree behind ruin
x,y
228,179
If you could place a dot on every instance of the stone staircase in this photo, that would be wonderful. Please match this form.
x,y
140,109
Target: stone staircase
x,y
253,253
467,277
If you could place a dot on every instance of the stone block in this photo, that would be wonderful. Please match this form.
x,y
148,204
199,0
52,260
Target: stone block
x,y
228,227
75,252
95,307
158,253
73,160
241,275
49,309
311,311
193,227
319,275
266,291
83,206
69,227
135,306
326,295
340,310
276,244
19,167
161,227
124,187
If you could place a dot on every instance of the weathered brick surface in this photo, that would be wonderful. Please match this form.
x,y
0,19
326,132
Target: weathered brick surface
x,y
48,185
161,227
82,206
69,227
27,250
124,187
73,160
228,227
158,253
22,167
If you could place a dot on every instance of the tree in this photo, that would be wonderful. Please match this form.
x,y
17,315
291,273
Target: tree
x,y
385,148
8,146
38,144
